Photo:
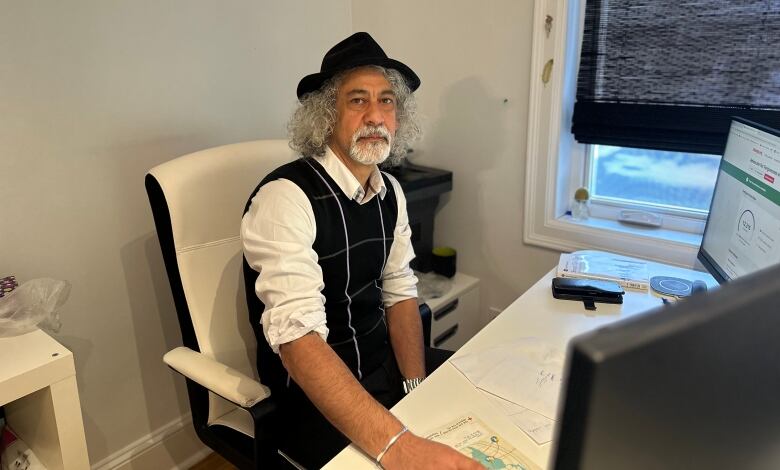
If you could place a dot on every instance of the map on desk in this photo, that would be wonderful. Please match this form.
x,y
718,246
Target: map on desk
x,y
471,437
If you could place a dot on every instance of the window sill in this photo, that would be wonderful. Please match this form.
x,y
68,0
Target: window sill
x,y
657,244
654,234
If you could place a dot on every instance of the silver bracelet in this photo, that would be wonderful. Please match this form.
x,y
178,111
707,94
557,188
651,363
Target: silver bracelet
x,y
389,445
411,384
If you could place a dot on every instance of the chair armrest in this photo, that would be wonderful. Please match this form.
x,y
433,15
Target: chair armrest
x,y
223,380
425,317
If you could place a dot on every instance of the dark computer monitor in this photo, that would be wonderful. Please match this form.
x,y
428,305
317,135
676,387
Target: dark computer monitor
x,y
695,385
743,228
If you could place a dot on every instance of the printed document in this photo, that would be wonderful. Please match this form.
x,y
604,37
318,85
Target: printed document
x,y
526,373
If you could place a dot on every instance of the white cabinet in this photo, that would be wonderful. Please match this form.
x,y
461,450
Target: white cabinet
x,y
455,315
38,391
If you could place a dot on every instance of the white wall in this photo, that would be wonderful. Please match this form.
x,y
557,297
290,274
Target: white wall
x,y
473,59
94,93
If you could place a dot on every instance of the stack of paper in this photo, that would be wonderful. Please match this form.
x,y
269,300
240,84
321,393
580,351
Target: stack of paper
x,y
523,378
628,272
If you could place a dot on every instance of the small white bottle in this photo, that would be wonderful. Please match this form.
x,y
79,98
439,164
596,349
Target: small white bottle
x,y
580,207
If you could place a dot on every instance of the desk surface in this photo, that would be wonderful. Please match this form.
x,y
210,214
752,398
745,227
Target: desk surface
x,y
447,395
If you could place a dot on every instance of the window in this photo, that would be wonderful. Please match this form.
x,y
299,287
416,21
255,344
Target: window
x,y
682,113
652,179
656,181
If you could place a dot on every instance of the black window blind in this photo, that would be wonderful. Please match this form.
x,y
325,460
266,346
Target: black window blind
x,y
669,75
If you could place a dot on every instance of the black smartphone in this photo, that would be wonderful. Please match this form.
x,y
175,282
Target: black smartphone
x,y
592,289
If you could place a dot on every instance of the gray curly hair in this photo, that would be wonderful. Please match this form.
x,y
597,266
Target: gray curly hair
x,y
312,123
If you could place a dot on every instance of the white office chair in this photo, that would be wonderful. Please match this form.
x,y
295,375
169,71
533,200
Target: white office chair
x,y
197,202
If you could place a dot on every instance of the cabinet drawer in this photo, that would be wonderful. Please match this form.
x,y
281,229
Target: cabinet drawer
x,y
445,317
451,322
445,339
452,338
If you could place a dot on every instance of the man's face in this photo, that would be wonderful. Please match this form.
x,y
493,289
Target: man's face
x,y
365,122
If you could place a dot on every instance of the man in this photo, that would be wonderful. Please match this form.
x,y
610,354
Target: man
x,y
327,250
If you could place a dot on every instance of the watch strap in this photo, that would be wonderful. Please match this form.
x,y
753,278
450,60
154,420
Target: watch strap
x,y
411,384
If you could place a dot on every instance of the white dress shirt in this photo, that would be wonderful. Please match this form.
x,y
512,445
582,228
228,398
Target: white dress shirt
x,y
278,232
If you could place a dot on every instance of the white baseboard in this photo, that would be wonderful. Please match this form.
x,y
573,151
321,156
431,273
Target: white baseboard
x,y
173,446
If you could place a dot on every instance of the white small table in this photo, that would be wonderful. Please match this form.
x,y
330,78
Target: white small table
x,y
38,391
447,395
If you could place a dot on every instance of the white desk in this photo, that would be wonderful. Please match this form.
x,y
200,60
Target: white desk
x,y
447,395
38,390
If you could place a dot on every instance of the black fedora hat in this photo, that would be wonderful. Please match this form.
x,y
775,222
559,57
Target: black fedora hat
x,y
357,50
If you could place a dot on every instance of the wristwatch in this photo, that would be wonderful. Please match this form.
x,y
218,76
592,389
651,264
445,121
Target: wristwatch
x,y
410,384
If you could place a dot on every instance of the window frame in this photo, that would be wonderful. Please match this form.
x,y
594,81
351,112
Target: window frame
x,y
555,163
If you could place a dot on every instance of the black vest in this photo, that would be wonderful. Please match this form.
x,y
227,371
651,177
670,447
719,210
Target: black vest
x,y
352,245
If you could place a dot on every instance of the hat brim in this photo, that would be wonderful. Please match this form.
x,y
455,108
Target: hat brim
x,y
314,82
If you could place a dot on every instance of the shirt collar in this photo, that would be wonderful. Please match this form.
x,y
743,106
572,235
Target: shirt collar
x,y
347,182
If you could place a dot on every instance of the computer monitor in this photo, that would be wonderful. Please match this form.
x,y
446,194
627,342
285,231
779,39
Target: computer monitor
x,y
694,385
742,233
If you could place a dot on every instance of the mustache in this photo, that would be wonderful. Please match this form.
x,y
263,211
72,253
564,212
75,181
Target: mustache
x,y
372,131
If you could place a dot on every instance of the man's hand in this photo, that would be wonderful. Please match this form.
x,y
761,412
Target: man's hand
x,y
411,452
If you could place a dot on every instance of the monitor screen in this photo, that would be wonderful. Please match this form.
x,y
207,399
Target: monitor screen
x,y
694,385
743,228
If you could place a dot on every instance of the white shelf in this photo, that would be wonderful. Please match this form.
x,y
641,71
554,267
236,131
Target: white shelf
x,y
41,400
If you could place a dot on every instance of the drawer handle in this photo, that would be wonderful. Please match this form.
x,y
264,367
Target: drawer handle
x,y
446,310
449,333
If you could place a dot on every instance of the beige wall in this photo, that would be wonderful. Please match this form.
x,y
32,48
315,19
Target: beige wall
x,y
94,93
473,59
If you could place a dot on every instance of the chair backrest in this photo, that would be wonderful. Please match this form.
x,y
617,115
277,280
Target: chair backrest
x,y
198,201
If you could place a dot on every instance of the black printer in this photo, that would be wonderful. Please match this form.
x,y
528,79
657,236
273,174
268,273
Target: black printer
x,y
422,186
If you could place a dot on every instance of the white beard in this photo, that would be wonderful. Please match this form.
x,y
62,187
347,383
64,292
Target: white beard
x,y
370,153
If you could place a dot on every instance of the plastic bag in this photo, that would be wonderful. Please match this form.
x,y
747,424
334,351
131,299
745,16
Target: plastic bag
x,y
431,285
33,304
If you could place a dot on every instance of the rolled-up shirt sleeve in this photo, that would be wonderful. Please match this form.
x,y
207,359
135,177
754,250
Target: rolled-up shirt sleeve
x,y
277,234
398,280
